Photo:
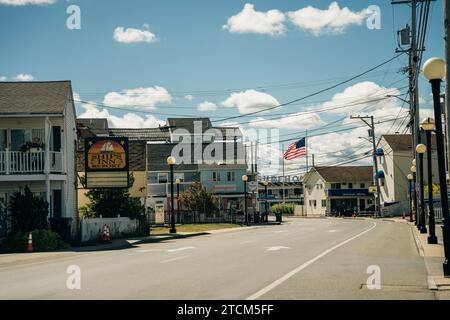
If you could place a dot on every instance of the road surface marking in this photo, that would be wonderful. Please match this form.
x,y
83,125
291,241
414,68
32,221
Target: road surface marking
x,y
148,250
276,248
249,241
180,249
280,231
332,231
174,259
303,266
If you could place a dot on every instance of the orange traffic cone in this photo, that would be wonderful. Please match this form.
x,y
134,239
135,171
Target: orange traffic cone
x,y
30,242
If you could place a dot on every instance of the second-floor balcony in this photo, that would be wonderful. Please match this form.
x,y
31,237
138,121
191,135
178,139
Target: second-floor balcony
x,y
17,162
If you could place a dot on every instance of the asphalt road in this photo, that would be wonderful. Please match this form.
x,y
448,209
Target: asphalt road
x,y
301,259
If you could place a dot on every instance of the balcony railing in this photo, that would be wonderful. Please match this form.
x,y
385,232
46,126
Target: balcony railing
x,y
17,162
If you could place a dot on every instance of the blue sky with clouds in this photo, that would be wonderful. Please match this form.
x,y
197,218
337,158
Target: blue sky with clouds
x,y
269,52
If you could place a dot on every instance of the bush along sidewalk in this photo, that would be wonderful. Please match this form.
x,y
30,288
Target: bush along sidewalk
x,y
43,240
30,212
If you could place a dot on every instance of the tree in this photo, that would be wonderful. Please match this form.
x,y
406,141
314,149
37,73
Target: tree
x,y
27,212
110,202
197,199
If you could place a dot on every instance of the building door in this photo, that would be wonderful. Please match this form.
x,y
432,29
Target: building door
x,y
362,204
57,203
159,213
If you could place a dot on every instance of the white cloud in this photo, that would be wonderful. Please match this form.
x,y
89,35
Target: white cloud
x,y
364,97
129,120
294,121
139,97
2,78
250,101
251,21
333,20
132,35
26,2
24,77
189,97
206,106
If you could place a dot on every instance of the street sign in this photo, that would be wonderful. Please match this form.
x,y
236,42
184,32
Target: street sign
x,y
252,186
435,188
373,189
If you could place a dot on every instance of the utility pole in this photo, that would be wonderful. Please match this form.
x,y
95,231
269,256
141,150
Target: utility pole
x,y
447,77
371,125
413,70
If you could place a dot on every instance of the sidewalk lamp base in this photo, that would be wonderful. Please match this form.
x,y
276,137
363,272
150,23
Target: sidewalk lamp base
x,y
423,230
446,268
173,231
432,240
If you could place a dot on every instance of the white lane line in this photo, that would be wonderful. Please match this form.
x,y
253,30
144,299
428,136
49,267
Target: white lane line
x,y
180,249
280,231
303,266
249,241
174,259
276,248
148,250
333,231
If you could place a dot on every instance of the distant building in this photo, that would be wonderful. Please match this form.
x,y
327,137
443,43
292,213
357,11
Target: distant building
x,y
37,143
339,189
394,156
293,192
211,155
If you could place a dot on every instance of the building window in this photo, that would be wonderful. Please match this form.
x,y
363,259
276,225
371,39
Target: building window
x,y
231,176
178,175
335,186
162,177
362,185
297,191
350,185
369,201
324,203
215,176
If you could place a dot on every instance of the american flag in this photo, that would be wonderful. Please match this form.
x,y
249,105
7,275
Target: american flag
x,y
296,149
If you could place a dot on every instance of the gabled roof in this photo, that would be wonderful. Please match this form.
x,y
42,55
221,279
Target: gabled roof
x,y
145,134
403,142
48,97
345,173
188,123
93,123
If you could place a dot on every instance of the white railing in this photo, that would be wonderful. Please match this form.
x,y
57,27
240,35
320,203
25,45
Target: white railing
x,y
17,162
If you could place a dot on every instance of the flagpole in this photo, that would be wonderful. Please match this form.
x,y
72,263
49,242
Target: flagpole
x,y
307,153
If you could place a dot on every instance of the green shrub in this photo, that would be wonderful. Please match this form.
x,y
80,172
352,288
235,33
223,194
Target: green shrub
x,y
43,240
285,209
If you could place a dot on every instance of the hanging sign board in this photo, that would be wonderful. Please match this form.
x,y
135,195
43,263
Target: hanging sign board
x,y
106,162
373,189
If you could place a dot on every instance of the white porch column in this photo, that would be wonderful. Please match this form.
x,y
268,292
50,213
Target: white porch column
x,y
47,127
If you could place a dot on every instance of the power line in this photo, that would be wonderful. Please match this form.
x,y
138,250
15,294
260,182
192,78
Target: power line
x,y
315,93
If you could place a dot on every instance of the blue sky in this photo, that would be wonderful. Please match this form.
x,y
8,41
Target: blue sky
x,y
193,54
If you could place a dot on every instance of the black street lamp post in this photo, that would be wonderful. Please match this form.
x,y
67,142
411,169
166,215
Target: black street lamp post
x,y
177,182
245,179
428,125
266,214
434,71
171,162
415,203
410,179
421,149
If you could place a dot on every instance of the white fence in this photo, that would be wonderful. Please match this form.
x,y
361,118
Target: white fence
x,y
16,162
438,215
91,229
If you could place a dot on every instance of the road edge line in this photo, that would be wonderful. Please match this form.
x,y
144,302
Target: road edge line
x,y
290,274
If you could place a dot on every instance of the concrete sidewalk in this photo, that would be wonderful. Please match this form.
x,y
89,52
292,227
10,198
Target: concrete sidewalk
x,y
433,255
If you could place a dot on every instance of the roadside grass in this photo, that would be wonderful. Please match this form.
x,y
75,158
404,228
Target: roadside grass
x,y
195,227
